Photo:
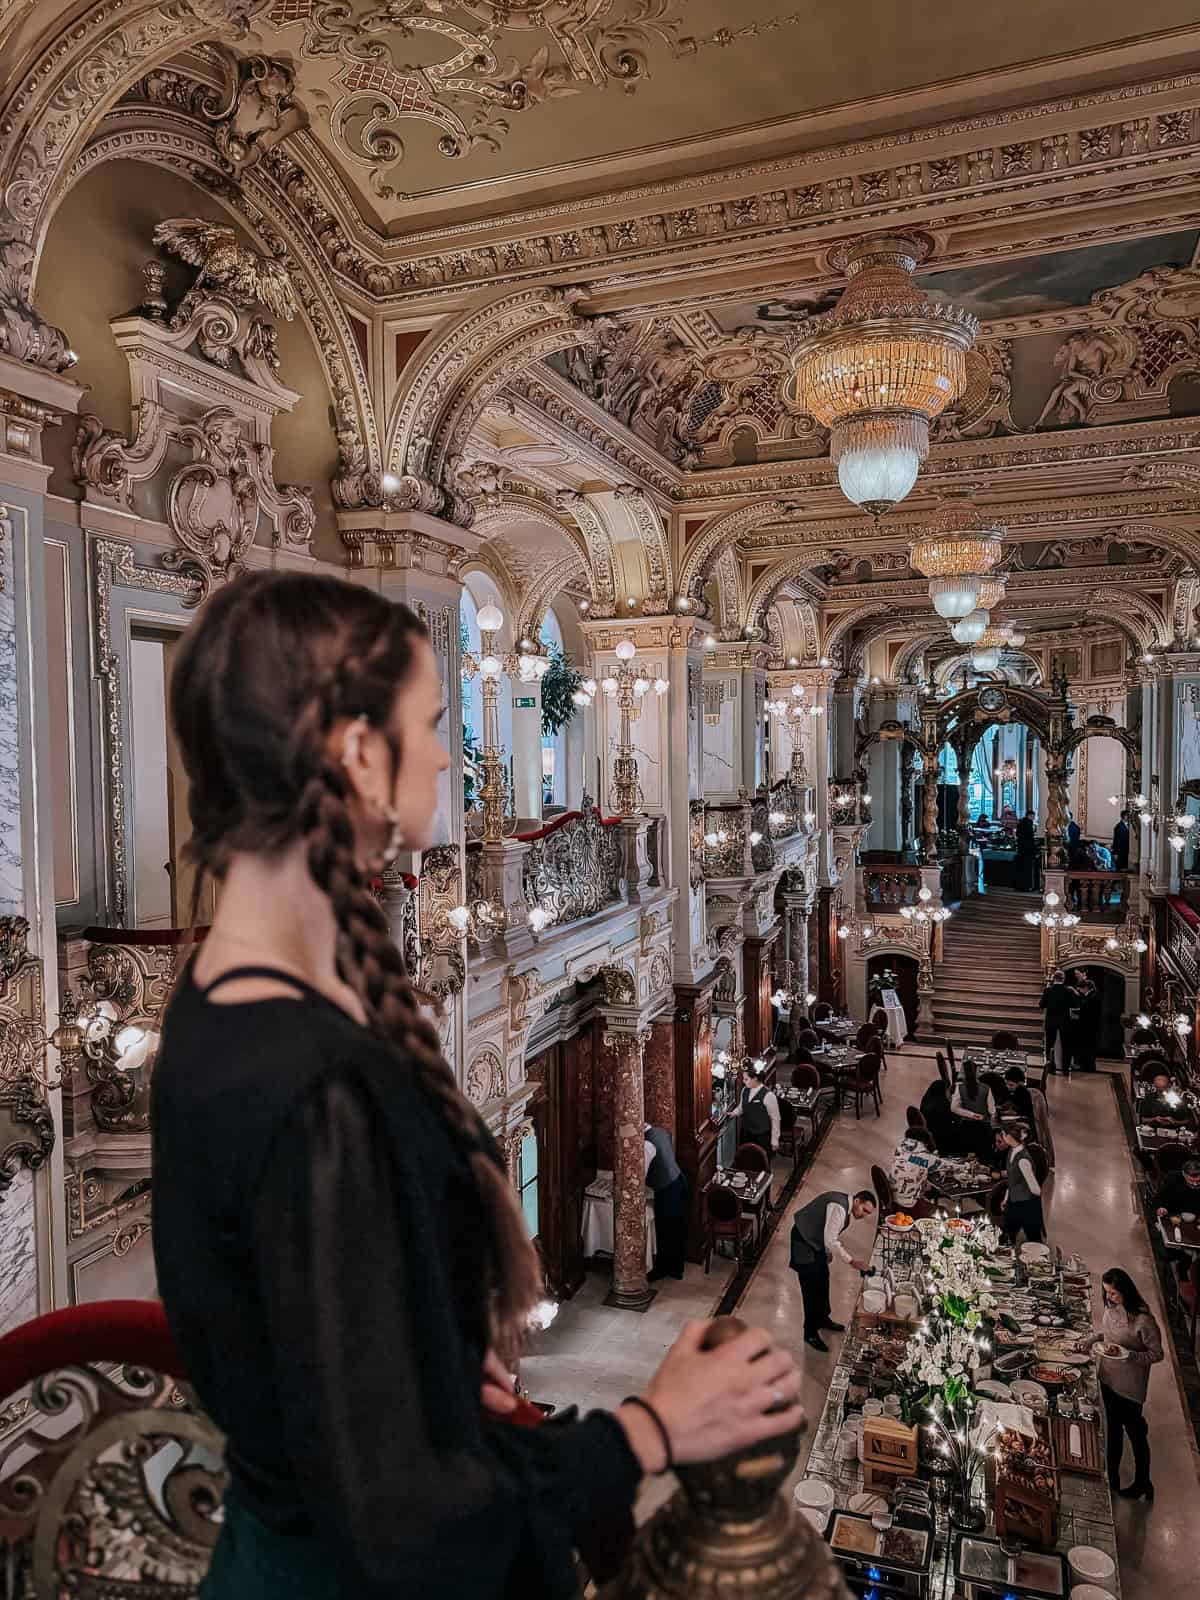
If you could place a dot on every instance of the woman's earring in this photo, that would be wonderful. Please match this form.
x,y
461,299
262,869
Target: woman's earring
x,y
396,839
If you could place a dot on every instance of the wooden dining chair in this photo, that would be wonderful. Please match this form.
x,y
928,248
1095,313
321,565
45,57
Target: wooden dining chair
x,y
790,1142
864,1082
822,1011
944,1072
1169,1158
1005,1039
878,1020
808,1040
725,1219
754,1159
997,1196
885,1195
953,1064
915,1118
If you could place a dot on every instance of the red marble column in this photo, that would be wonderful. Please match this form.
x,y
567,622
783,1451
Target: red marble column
x,y
630,1290
660,1076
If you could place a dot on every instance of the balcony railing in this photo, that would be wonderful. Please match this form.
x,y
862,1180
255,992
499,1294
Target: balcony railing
x,y
1102,896
572,868
891,886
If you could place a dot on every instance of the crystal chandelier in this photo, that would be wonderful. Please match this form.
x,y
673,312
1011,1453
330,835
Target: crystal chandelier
x,y
971,628
956,551
879,367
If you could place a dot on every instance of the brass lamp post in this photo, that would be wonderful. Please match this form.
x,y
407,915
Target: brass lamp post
x,y
627,686
490,666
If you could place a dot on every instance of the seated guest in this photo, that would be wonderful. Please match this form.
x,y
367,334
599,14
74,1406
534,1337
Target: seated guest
x,y
1016,1100
1023,1204
1162,1103
910,1166
1179,1192
935,1108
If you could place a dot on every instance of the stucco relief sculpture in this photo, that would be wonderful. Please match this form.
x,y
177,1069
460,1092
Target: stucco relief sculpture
x,y
1124,369
224,267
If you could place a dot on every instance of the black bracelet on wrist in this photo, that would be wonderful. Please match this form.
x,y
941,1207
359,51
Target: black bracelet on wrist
x,y
644,1405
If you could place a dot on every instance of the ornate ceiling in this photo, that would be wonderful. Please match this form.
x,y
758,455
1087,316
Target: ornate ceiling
x,y
552,255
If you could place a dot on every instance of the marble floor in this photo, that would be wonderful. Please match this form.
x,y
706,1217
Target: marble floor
x,y
594,1356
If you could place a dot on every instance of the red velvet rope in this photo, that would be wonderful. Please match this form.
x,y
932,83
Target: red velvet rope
x,y
1184,912
551,827
132,1333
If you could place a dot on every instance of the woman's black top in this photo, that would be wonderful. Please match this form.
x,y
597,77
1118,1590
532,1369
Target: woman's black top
x,y
320,1249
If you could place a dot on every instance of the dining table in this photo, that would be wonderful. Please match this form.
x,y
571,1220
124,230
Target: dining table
x,y
596,1224
1155,1136
1188,1234
753,1189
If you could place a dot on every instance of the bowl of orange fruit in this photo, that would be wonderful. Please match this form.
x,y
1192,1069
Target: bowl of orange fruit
x,y
900,1221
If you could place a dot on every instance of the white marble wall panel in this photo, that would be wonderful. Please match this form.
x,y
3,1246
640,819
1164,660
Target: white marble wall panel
x,y
18,1267
12,891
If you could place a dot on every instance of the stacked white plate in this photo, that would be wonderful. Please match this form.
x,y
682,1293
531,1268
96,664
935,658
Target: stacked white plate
x,y
1090,1591
814,1494
1089,1565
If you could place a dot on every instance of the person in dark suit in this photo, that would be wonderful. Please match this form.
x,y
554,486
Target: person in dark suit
x,y
669,1185
1073,834
1056,1001
1026,852
1120,844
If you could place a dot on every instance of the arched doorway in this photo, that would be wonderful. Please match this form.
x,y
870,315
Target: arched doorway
x,y
905,970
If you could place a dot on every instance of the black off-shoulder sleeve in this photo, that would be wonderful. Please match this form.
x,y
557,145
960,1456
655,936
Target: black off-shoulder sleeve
x,y
341,1277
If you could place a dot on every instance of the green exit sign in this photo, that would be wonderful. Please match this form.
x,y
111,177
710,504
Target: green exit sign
x,y
524,702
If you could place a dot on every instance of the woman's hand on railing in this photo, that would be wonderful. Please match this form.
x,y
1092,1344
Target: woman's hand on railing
x,y
713,1402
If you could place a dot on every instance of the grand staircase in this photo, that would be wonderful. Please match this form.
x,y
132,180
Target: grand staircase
x,y
991,974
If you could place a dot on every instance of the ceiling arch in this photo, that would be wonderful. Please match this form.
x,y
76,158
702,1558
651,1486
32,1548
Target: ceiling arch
x,y
1141,621
789,569
540,594
724,529
273,222
459,369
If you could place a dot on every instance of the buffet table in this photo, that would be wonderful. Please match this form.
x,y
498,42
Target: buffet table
x,y
880,1493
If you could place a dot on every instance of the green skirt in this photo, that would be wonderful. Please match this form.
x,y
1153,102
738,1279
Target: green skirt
x,y
253,1562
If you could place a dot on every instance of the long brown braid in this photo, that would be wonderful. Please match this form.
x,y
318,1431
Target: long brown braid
x,y
272,663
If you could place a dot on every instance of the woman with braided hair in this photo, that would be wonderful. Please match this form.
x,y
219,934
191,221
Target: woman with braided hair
x,y
341,1258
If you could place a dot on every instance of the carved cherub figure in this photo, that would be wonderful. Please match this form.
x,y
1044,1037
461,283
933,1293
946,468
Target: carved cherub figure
x,y
226,267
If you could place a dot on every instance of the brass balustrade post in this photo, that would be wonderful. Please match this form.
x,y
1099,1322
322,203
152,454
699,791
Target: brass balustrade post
x,y
727,1530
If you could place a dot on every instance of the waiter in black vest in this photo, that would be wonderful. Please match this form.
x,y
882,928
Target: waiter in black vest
x,y
816,1234
669,1184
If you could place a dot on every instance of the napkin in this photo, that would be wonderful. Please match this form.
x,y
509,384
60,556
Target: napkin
x,y
1001,1416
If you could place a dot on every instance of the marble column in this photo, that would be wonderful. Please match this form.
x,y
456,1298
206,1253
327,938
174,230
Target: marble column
x,y
929,828
630,1289
527,748
33,1274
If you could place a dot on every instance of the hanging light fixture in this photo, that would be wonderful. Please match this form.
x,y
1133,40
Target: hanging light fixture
x,y
879,367
971,628
991,590
956,551
986,658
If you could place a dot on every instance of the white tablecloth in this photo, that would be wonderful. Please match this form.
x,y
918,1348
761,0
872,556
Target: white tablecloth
x,y
897,1022
597,1229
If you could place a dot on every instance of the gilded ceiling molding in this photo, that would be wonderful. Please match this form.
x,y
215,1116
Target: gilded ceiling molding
x,y
551,408
458,371
731,594
844,625
648,524
1017,163
1133,614
517,504
269,219
597,535
905,667
726,528
70,81
543,591
1185,608
790,570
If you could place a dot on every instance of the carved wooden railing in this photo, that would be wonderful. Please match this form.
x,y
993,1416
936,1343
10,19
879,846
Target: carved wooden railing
x,y
888,885
573,868
1102,896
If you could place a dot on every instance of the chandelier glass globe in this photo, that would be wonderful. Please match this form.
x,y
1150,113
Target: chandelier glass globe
x,y
971,628
985,660
956,597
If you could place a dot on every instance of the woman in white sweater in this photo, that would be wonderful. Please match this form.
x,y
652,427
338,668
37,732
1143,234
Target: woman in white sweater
x,y
1129,1326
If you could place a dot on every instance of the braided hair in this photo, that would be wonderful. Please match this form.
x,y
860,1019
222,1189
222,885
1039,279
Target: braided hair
x,y
273,662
